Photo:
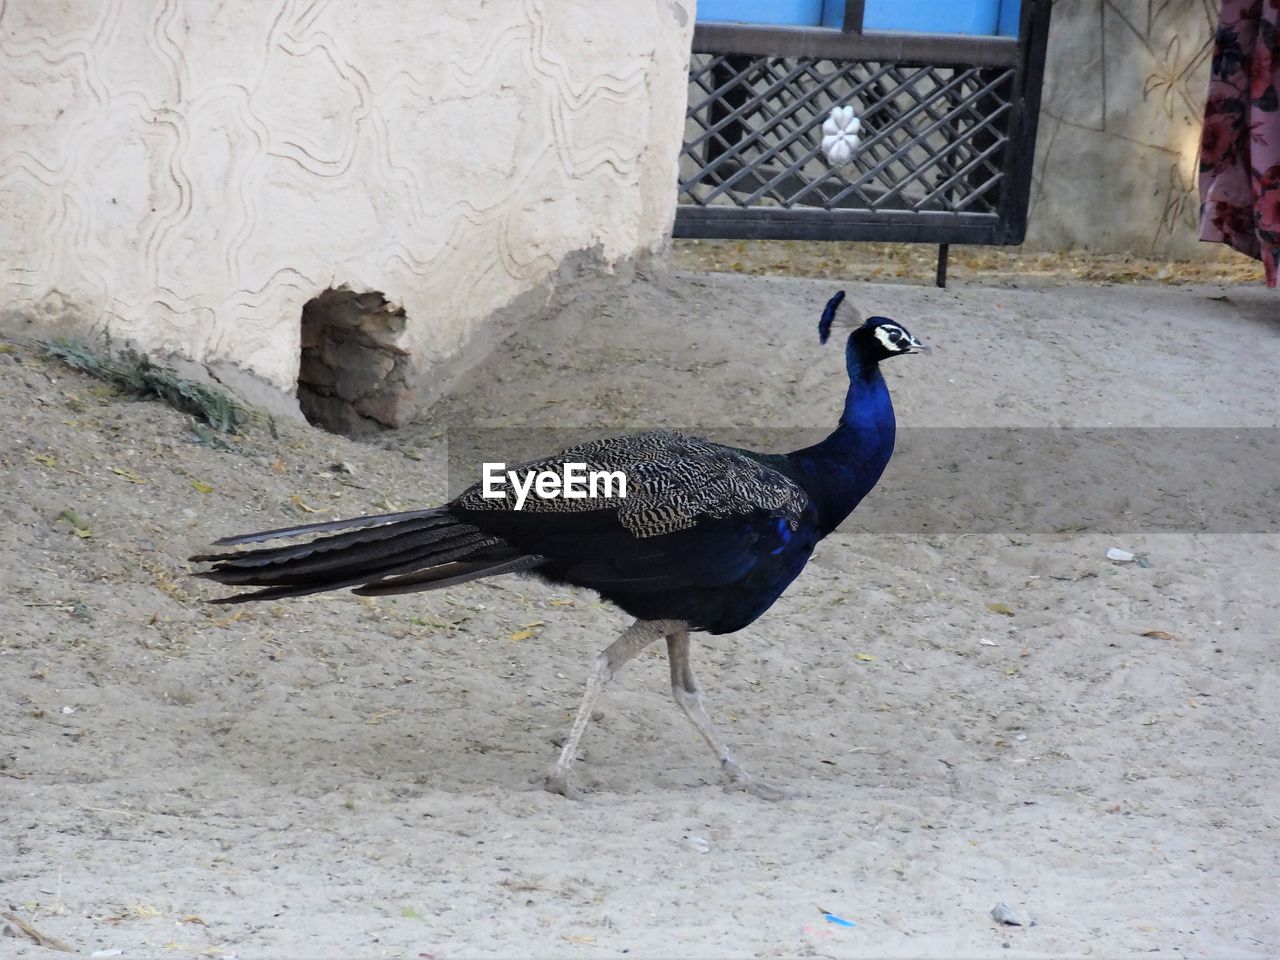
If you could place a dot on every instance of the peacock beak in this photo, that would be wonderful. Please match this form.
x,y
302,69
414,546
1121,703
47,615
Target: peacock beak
x,y
919,346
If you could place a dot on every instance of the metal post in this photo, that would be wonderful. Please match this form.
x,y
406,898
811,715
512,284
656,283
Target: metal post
x,y
943,250
854,10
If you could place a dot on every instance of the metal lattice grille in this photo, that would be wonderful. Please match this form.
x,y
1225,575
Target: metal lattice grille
x,y
933,137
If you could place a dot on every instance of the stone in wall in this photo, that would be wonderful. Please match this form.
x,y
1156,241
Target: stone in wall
x,y
353,374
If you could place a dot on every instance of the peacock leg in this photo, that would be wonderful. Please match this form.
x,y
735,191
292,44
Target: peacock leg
x,y
688,695
607,663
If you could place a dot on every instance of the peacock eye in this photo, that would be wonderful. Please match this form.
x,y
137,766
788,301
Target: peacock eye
x,y
895,336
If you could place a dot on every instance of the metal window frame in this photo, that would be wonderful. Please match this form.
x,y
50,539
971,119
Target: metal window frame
x,y
1025,55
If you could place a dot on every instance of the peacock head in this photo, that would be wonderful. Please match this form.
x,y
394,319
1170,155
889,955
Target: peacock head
x,y
878,338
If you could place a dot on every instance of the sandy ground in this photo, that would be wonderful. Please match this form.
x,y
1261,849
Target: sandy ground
x,y
960,719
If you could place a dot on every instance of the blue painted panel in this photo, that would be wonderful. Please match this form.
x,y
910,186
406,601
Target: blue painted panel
x,y
803,13
924,16
981,17
1010,17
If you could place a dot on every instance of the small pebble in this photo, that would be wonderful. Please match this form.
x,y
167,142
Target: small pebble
x,y
698,844
1003,913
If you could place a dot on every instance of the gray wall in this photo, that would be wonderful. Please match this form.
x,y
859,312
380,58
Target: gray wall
x,y
1119,127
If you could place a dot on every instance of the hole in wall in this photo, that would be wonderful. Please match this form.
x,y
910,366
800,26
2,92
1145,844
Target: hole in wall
x,y
352,375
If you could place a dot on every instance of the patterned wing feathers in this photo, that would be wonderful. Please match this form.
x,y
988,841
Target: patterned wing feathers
x,y
673,481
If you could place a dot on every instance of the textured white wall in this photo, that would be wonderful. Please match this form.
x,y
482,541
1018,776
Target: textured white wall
x,y
188,173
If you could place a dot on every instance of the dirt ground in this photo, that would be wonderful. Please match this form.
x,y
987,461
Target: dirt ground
x,y
961,719
917,262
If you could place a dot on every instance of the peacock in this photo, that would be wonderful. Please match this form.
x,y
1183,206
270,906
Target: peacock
x,y
706,538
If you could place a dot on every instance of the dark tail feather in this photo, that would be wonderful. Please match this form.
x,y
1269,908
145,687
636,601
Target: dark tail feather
x,y
392,550
266,556
281,533
426,548
445,576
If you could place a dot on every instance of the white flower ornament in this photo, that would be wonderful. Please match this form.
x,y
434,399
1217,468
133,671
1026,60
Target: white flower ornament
x,y
840,136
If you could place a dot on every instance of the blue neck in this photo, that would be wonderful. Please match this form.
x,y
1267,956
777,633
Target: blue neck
x,y
838,472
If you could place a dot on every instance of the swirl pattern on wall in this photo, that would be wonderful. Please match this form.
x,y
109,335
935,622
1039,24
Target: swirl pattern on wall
x,y
189,175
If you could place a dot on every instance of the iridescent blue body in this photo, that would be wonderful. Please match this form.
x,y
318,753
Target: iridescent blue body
x,y
722,574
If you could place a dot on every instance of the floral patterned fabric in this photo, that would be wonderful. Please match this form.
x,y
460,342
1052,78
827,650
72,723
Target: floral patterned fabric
x,y
1240,143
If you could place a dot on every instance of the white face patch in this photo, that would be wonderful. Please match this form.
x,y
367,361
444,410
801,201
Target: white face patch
x,y
893,338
